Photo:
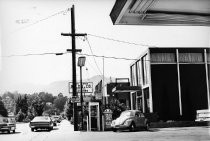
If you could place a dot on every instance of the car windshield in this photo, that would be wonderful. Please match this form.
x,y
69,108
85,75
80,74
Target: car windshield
x,y
126,114
40,118
11,120
55,117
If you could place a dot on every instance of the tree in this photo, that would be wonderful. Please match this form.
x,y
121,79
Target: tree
x,y
59,102
69,110
38,106
11,95
22,104
116,107
3,110
46,97
17,102
20,116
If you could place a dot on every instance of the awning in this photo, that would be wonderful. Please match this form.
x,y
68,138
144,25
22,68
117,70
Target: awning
x,y
126,89
161,12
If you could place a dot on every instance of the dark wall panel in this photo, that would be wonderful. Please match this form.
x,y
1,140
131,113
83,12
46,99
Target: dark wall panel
x,y
193,89
165,91
208,75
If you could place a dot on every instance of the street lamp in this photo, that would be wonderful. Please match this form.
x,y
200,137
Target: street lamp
x,y
81,63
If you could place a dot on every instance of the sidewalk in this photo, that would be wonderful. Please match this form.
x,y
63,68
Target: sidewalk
x,y
178,124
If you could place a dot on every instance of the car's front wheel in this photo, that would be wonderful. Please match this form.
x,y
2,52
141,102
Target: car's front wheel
x,y
50,128
32,129
132,127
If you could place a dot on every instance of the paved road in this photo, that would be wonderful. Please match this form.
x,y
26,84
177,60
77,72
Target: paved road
x,y
64,132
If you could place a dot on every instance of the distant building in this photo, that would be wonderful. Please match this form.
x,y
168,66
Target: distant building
x,y
122,90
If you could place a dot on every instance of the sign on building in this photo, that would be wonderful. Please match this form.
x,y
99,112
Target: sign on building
x,y
87,87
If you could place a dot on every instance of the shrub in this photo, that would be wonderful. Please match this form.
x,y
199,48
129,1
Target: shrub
x,y
152,117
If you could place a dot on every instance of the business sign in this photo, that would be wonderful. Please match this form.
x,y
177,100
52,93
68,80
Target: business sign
x,y
87,87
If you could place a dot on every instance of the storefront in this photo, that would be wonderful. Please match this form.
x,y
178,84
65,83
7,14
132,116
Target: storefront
x,y
175,81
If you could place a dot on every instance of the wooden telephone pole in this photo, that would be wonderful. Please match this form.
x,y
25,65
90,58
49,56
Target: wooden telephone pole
x,y
74,50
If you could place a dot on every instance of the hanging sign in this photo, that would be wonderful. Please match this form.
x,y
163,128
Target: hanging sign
x,y
87,87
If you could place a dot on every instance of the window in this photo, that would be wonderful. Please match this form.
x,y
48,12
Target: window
x,y
133,75
139,73
191,57
163,58
145,69
208,57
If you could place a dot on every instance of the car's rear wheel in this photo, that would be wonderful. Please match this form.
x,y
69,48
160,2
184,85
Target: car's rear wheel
x,y
13,131
147,126
132,127
114,129
8,131
49,129
32,129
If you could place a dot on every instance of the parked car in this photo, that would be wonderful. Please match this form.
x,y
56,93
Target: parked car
x,y
130,119
7,124
56,118
41,122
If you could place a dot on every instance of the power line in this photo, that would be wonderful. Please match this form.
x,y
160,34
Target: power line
x,y
32,54
121,41
93,56
109,57
51,53
41,20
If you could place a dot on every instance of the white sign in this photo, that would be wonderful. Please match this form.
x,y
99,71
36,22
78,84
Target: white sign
x,y
87,87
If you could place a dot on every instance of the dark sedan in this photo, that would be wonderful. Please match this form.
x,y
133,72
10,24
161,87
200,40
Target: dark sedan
x,y
41,122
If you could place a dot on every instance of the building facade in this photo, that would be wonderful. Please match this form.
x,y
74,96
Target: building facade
x,y
174,81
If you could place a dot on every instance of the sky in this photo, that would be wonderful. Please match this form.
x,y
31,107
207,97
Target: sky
x,y
35,27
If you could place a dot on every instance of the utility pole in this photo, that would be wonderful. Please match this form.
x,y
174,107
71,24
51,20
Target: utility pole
x,y
74,50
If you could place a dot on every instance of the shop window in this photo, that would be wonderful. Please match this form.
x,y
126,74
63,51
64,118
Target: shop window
x,y
163,58
139,73
145,69
208,57
191,57
133,75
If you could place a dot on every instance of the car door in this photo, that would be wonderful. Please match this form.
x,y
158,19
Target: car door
x,y
141,119
137,119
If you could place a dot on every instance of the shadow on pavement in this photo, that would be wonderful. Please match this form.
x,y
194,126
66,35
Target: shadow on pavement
x,y
140,130
5,133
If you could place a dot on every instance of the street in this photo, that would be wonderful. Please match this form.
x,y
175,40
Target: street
x,y
65,132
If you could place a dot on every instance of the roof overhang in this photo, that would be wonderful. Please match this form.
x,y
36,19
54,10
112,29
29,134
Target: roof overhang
x,y
126,89
161,12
